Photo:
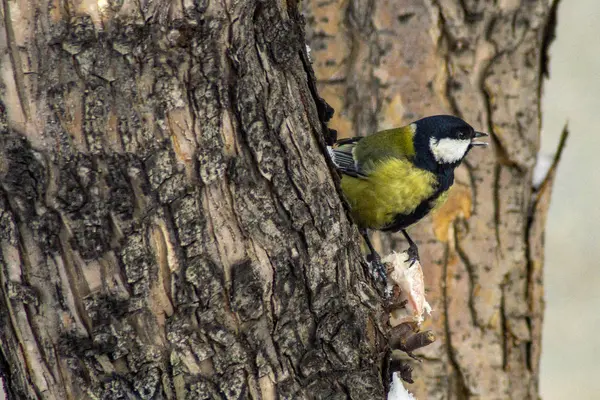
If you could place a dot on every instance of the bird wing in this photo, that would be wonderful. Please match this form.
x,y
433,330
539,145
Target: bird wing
x,y
358,155
342,155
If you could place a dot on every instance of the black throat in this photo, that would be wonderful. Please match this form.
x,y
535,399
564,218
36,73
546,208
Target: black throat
x,y
444,173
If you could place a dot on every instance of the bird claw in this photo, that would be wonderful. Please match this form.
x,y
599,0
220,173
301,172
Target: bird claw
x,y
413,250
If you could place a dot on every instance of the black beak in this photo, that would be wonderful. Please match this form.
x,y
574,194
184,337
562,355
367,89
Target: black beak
x,y
478,135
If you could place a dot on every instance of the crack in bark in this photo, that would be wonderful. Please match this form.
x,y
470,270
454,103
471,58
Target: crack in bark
x,y
497,190
15,59
462,388
472,281
505,330
549,34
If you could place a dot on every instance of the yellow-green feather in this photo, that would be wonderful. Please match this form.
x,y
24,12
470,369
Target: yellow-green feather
x,y
394,186
391,143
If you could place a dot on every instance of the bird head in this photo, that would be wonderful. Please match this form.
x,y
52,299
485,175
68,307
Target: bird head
x,y
446,139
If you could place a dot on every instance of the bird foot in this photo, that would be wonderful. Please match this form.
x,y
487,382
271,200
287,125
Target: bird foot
x,y
413,254
413,250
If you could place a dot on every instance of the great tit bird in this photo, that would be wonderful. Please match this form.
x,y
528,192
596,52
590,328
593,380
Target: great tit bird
x,y
395,177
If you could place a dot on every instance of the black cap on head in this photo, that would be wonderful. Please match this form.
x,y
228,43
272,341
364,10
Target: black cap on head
x,y
442,126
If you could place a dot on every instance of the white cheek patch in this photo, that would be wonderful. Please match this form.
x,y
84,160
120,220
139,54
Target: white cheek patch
x,y
448,150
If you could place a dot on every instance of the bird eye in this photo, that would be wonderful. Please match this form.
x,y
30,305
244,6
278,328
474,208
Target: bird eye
x,y
461,135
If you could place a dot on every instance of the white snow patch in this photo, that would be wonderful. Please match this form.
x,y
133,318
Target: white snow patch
x,y
541,169
398,391
308,50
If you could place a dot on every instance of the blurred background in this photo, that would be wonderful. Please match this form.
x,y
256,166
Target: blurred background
x,y
571,343
570,366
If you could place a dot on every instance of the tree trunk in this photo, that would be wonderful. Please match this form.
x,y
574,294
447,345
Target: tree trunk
x,y
169,228
382,64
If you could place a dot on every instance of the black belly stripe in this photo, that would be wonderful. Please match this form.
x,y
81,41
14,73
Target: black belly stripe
x,y
402,221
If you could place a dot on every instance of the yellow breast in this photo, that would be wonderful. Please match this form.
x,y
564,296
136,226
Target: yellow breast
x,y
394,186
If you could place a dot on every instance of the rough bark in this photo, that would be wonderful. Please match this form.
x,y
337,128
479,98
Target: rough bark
x,y
169,228
382,64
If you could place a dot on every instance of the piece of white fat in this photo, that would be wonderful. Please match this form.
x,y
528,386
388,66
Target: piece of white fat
x,y
409,279
398,391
